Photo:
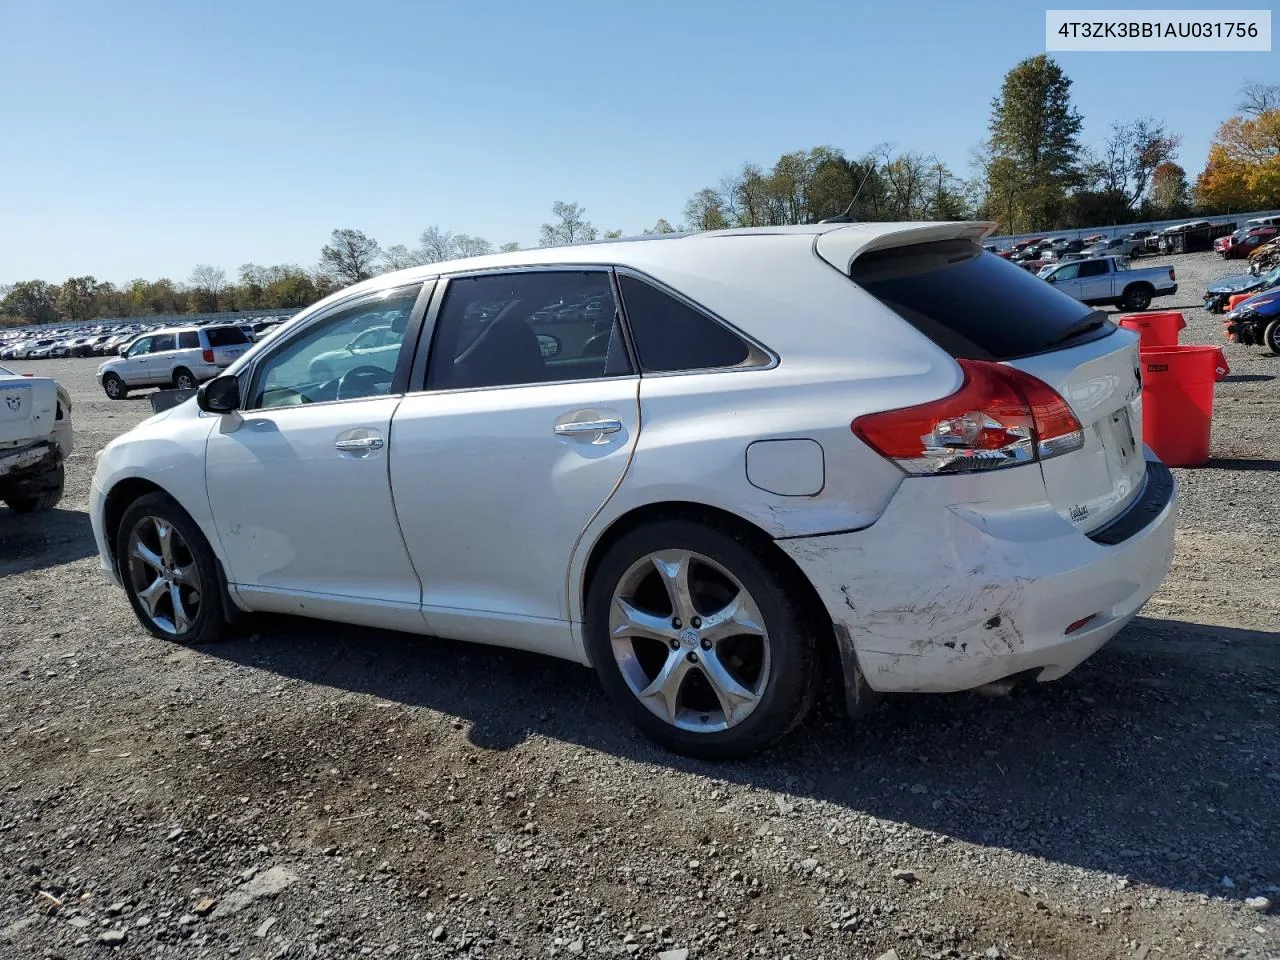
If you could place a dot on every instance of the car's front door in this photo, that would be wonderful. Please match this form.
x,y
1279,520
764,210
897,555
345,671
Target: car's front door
x,y
134,367
1066,279
298,481
519,431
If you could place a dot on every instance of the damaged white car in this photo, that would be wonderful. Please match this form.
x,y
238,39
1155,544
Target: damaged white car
x,y
705,465
35,438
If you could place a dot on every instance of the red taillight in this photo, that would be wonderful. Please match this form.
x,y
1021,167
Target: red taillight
x,y
999,417
208,356
1172,274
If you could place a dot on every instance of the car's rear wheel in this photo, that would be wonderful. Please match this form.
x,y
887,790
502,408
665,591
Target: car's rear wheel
x,y
169,572
114,387
184,379
699,641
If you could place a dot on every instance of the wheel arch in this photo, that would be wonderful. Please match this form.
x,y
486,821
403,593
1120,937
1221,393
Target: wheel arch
x,y
117,501
129,490
728,522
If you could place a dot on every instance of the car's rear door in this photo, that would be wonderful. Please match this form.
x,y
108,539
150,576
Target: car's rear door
x,y
1094,280
297,478
509,442
162,359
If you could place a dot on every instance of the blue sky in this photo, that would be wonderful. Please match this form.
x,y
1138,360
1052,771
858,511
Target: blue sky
x,y
143,137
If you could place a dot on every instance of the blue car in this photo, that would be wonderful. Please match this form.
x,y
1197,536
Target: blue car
x,y
1256,322
1218,294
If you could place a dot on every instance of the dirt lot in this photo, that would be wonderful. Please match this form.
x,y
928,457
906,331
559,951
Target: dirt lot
x,y
314,790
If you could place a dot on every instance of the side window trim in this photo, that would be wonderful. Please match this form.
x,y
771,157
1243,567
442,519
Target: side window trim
x,y
417,382
249,376
759,356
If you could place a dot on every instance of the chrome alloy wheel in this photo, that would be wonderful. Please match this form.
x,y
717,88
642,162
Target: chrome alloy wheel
x,y
164,575
689,641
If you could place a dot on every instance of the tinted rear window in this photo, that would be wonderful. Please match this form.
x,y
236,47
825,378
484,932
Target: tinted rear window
x,y
970,303
225,336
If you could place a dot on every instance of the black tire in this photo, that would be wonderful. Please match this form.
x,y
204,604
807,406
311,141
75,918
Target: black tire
x,y
1136,297
210,622
184,379
45,499
792,682
1271,337
115,388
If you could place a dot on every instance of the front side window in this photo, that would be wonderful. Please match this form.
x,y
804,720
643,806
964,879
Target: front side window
x,y
671,335
513,328
140,347
319,365
1069,272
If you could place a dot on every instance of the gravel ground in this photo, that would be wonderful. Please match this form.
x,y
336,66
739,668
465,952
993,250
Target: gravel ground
x,y
315,790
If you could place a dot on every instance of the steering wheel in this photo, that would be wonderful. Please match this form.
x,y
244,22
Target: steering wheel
x,y
359,381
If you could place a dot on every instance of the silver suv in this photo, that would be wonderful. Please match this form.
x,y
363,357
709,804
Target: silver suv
x,y
180,357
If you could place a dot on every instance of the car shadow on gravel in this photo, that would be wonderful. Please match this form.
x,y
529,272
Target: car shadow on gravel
x,y
1156,760
33,541
1242,463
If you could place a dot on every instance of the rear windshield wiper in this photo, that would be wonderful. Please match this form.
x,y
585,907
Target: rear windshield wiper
x,y
1087,324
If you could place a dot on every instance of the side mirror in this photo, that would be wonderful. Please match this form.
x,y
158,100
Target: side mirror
x,y
219,395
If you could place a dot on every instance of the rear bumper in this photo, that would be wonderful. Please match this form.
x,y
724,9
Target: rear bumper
x,y
966,581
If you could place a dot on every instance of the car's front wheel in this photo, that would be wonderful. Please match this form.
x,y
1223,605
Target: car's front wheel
x,y
169,572
114,387
699,641
1271,337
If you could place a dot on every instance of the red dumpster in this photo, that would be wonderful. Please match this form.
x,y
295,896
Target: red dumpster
x,y
1159,328
1177,401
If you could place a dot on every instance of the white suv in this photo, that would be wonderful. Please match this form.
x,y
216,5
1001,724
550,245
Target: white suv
x,y
709,466
180,357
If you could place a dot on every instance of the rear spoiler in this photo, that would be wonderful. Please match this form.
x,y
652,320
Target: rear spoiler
x,y
840,247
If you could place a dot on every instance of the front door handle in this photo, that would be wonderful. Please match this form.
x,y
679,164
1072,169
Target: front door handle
x,y
580,427
359,444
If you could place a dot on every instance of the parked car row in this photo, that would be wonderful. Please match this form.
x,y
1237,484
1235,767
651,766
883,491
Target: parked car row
x,y
103,339
1248,238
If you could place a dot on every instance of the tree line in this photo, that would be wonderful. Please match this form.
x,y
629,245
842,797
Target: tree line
x,y
1030,174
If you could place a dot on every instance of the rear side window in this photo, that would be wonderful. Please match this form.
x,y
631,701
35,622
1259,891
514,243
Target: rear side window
x,y
972,304
188,340
225,336
671,335
161,342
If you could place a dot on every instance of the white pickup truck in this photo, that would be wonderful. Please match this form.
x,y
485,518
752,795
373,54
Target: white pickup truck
x,y
1098,281
35,437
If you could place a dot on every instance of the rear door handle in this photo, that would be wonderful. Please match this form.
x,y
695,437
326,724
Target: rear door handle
x,y
359,444
580,427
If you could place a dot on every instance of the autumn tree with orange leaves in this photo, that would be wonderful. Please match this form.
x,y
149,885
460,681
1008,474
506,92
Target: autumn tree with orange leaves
x,y
1243,170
